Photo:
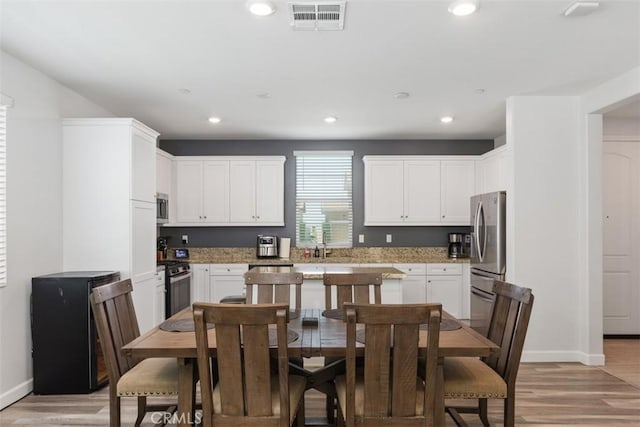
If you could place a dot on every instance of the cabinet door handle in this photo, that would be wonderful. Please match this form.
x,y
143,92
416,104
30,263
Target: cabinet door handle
x,y
442,216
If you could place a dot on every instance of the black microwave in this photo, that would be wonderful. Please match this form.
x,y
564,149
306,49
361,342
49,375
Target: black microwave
x,y
162,213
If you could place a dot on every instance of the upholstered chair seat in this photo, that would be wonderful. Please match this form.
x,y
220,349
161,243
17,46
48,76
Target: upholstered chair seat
x,y
469,378
150,377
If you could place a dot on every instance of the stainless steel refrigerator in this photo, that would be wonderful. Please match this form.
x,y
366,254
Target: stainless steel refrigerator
x,y
488,250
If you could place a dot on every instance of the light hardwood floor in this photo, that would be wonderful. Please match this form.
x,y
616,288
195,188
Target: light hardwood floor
x,y
548,394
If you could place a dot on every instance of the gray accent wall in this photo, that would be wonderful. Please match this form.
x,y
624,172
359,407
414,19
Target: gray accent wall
x,y
374,236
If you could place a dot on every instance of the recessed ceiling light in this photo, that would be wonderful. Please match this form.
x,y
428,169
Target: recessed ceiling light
x,y
184,91
261,7
446,119
264,95
581,8
463,7
330,119
479,91
401,95
215,120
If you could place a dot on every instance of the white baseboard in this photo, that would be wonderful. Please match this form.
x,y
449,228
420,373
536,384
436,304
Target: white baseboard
x,y
563,356
18,392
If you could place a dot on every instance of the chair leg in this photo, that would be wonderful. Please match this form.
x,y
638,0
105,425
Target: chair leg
x,y
483,411
510,410
300,414
142,406
114,407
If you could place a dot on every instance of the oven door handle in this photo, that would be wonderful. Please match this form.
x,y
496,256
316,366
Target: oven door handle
x,y
179,277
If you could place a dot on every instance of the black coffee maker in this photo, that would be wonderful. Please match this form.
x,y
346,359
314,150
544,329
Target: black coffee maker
x,y
458,247
162,248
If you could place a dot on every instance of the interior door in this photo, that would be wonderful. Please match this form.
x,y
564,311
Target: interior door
x,y
621,275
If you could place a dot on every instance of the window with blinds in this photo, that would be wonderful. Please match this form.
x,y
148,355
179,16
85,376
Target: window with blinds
x,y
324,198
3,195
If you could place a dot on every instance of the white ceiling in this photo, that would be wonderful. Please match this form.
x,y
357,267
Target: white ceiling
x,y
132,57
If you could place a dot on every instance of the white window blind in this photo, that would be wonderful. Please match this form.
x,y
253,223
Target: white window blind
x,y
324,198
3,195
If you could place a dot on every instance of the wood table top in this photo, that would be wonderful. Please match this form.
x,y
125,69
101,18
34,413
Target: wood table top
x,y
326,339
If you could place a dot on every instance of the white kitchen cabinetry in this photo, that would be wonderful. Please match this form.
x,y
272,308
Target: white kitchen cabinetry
x,y
226,280
109,209
457,187
414,285
492,170
230,191
202,188
256,192
444,285
164,169
200,279
417,190
159,299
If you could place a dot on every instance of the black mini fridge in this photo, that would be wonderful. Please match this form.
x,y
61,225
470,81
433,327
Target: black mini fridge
x,y
67,357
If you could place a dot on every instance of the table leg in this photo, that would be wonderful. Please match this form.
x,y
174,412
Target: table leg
x,y
186,392
439,403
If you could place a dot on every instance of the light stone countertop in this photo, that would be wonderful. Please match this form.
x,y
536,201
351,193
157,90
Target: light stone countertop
x,y
359,255
313,272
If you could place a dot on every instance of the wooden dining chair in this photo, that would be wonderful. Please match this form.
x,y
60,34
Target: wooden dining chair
x,y
388,390
351,287
117,325
247,393
493,377
274,287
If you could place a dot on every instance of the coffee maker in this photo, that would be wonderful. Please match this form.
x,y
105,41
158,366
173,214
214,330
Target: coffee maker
x,y
458,245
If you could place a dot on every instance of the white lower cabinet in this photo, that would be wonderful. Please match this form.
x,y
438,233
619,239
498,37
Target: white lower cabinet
x,y
444,285
144,300
200,282
159,299
226,280
414,285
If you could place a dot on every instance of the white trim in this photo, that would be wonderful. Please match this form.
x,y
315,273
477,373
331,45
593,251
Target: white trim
x,y
620,138
322,153
563,356
18,392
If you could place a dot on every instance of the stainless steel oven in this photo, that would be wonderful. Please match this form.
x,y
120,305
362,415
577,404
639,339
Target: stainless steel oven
x,y
177,286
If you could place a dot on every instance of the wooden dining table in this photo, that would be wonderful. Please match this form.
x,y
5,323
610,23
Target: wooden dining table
x,y
327,338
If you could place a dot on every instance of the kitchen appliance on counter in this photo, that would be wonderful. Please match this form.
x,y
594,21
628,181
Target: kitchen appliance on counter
x,y
487,258
162,211
177,284
162,248
458,245
66,352
267,246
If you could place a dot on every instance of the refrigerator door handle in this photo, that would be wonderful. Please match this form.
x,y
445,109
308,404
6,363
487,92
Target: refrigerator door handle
x,y
482,295
480,246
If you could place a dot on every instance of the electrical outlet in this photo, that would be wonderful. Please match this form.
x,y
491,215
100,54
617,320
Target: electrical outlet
x,y
389,238
185,239
360,238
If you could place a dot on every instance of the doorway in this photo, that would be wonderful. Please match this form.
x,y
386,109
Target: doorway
x,y
621,234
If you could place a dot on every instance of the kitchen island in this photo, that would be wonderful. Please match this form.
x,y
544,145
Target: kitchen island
x,y
313,288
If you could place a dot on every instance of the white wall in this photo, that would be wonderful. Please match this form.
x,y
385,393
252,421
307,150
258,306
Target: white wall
x,y
554,216
34,206
624,129
542,211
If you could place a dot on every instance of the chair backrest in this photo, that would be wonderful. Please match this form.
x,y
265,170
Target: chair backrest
x,y
391,360
508,328
243,361
274,287
116,323
352,287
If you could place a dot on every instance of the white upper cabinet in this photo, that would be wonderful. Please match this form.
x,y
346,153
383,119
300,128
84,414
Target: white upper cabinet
x,y
492,170
417,190
164,170
457,187
202,188
421,191
225,191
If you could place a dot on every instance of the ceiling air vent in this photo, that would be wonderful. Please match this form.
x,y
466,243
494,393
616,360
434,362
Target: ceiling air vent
x,y
317,15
